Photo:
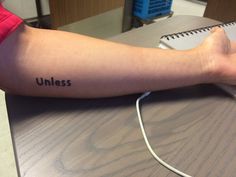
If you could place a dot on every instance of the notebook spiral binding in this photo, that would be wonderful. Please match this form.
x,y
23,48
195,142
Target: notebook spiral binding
x,y
195,31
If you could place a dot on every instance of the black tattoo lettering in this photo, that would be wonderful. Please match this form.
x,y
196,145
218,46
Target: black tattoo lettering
x,y
47,82
63,82
69,83
53,82
57,82
39,82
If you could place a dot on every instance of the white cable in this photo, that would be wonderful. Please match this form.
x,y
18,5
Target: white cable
x,y
147,142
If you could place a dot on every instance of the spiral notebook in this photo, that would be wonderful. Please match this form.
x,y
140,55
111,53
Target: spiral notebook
x,y
189,39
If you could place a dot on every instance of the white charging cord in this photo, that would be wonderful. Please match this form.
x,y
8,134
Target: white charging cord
x,y
147,142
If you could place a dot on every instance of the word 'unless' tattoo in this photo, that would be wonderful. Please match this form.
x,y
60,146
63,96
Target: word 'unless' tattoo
x,y
53,82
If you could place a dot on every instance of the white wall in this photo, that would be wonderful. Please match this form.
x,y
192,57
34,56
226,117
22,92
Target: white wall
x,y
26,8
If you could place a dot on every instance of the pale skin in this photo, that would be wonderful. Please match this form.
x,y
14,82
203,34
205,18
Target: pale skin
x,y
98,68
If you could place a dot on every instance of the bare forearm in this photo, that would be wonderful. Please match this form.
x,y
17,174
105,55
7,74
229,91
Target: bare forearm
x,y
59,64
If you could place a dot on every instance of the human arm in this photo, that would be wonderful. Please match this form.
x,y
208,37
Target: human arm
x,y
95,68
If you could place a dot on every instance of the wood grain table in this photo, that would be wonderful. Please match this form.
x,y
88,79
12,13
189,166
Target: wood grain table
x,y
191,128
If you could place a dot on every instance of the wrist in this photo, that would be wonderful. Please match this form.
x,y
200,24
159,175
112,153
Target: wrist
x,y
207,65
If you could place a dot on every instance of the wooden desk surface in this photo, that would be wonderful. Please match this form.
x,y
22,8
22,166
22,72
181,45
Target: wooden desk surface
x,y
193,128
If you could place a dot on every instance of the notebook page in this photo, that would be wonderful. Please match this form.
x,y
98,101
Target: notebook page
x,y
191,39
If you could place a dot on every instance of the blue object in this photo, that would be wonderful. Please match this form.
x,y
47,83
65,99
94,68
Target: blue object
x,y
149,9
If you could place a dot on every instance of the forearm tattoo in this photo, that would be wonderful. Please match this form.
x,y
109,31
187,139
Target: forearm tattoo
x,y
53,82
